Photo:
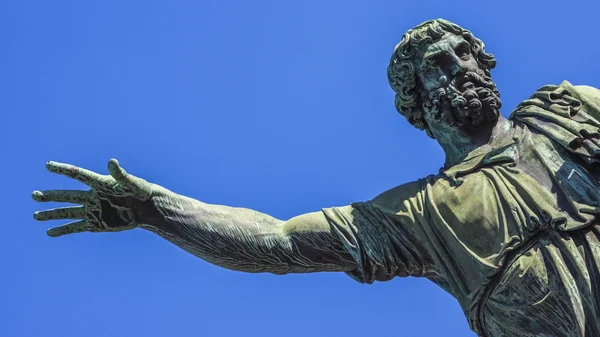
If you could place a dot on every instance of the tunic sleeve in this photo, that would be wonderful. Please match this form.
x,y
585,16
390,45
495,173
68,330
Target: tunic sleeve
x,y
383,235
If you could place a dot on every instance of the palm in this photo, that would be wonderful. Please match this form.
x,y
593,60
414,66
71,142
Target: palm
x,y
108,207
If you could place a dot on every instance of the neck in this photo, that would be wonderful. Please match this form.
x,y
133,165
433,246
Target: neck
x,y
457,146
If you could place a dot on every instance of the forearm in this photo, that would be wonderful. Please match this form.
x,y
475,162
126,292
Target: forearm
x,y
245,240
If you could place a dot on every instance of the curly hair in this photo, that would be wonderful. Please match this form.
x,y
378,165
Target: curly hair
x,y
402,69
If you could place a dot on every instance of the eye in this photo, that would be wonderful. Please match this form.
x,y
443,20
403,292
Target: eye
x,y
432,63
463,51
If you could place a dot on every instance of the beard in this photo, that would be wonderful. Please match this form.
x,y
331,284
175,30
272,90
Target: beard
x,y
470,102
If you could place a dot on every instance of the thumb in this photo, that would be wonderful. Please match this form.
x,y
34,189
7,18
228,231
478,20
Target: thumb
x,y
139,187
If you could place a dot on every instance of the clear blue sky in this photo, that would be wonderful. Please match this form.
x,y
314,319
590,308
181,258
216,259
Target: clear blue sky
x,y
280,106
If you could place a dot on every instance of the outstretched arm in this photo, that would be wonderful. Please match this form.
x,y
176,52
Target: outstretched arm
x,y
246,240
234,238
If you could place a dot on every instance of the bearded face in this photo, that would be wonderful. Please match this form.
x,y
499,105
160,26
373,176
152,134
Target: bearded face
x,y
470,102
455,92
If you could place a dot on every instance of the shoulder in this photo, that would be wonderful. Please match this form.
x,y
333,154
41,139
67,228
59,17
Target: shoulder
x,y
567,114
564,99
583,90
588,95
407,197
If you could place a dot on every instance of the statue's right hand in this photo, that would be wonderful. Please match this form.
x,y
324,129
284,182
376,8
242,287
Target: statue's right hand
x,y
110,205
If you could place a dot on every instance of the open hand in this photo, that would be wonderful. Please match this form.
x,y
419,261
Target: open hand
x,y
112,204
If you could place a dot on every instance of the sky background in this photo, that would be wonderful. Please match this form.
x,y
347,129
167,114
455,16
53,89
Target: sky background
x,y
280,106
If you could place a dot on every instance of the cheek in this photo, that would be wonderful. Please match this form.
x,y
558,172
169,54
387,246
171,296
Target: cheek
x,y
431,81
472,64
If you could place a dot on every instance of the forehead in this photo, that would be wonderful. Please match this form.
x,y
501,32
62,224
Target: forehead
x,y
446,42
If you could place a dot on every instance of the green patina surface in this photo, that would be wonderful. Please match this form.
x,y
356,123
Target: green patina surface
x,y
509,226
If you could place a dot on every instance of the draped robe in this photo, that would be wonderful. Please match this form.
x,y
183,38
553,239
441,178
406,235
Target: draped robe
x,y
512,233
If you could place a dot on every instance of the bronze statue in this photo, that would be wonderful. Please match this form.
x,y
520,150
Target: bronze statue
x,y
509,226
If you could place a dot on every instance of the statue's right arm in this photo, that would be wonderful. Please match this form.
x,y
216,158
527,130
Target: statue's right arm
x,y
246,240
234,238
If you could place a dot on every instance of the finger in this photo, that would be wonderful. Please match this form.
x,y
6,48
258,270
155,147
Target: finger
x,y
60,213
87,177
75,197
125,179
70,228
117,172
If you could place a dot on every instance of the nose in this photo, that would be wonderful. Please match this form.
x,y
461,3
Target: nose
x,y
457,66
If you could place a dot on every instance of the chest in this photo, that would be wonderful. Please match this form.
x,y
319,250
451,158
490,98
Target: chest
x,y
498,205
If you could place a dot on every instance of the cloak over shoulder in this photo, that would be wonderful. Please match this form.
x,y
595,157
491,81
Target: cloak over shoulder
x,y
569,116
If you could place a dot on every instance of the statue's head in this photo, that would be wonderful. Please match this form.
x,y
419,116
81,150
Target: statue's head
x,y
441,75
